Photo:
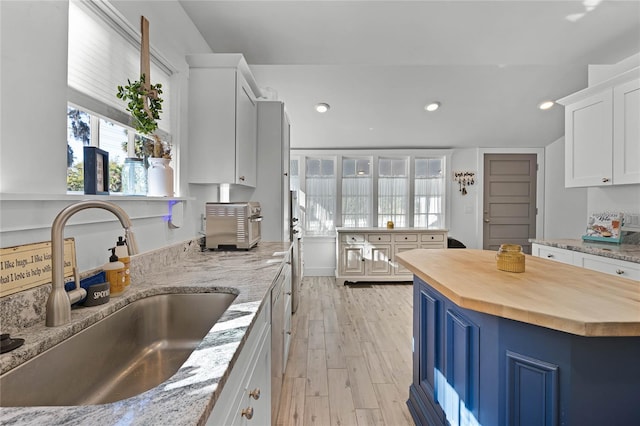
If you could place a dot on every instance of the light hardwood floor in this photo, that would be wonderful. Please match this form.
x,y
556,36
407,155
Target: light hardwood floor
x,y
350,360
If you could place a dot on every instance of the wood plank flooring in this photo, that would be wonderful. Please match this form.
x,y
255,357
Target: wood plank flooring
x,y
350,360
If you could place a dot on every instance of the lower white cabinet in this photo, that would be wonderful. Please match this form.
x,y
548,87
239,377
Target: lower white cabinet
x,y
246,396
369,254
607,265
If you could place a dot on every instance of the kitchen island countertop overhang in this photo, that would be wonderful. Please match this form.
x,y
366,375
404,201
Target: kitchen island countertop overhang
x,y
548,294
188,397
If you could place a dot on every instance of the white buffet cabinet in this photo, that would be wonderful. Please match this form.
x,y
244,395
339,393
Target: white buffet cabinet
x,y
369,254
594,262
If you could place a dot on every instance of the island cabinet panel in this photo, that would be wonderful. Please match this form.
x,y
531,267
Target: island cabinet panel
x,y
473,368
532,391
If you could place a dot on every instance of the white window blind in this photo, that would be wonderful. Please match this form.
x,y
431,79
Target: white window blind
x,y
356,192
101,58
393,192
320,180
429,193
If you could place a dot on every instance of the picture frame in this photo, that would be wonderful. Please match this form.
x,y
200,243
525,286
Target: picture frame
x,y
96,171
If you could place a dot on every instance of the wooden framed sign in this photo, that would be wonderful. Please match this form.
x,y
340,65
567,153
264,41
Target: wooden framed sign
x,y
28,266
96,171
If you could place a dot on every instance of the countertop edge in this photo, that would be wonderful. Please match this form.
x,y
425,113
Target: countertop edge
x,y
559,323
624,252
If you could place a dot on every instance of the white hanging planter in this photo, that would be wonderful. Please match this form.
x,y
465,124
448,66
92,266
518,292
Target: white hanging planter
x,y
160,178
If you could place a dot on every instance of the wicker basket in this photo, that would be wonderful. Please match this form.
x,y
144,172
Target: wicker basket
x,y
510,258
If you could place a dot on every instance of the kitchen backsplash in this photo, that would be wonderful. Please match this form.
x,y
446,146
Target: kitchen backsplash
x,y
27,308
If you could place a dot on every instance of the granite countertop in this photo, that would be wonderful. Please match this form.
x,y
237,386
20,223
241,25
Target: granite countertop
x,y
626,252
187,398
550,294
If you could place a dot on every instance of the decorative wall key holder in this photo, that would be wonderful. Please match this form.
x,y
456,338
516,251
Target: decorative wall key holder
x,y
464,179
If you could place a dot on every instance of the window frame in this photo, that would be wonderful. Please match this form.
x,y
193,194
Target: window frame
x,y
410,154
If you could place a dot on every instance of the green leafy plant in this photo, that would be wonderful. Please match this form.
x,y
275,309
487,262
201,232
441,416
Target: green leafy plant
x,y
145,105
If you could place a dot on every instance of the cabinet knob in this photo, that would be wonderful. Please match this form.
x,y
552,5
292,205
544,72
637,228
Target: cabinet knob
x,y
605,180
487,221
247,412
242,178
255,394
619,271
550,256
405,238
379,238
288,293
289,333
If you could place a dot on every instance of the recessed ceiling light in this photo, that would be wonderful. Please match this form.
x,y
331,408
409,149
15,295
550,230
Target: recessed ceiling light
x,y
322,107
546,105
432,106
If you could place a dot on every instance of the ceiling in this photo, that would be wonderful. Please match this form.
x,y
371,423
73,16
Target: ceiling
x,y
377,63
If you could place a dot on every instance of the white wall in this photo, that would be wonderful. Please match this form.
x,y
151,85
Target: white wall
x,y
622,198
33,129
464,208
565,208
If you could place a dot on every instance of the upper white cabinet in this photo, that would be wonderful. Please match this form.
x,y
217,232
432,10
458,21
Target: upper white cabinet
x,y
222,120
602,136
626,133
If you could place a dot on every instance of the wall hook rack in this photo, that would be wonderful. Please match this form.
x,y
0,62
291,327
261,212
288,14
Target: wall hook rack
x,y
464,179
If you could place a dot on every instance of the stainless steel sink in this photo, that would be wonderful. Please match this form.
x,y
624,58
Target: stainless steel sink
x,y
130,351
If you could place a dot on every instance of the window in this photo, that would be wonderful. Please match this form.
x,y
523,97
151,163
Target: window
x,y
104,52
393,192
406,187
429,193
85,129
356,192
320,181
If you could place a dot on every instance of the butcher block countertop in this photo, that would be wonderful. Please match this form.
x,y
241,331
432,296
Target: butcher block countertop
x,y
548,294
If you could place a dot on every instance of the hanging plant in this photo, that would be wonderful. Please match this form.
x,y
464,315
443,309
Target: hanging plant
x,y
145,105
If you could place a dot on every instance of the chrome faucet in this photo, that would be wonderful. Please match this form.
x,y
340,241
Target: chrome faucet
x,y
59,301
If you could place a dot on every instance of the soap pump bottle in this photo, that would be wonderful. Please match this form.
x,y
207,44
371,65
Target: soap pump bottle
x,y
123,256
114,271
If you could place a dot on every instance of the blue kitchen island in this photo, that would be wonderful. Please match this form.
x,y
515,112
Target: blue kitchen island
x,y
555,345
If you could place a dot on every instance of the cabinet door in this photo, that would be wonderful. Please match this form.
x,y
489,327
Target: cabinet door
x,y
246,134
399,248
352,260
257,394
379,260
626,133
589,141
212,133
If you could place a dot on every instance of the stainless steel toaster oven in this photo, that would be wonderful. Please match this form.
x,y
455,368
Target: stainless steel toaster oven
x,y
232,224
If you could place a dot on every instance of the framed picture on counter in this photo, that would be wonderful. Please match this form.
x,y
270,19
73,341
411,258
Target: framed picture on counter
x,y
96,171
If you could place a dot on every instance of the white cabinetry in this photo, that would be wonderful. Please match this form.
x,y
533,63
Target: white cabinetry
x,y
602,136
247,391
222,120
626,133
272,187
370,254
607,265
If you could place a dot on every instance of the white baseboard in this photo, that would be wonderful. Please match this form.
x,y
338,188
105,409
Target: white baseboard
x,y
320,272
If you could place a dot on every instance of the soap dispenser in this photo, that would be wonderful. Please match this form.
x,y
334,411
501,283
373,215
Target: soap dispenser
x,y
123,256
114,271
